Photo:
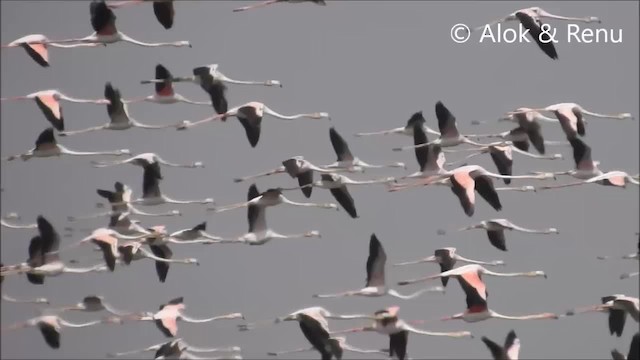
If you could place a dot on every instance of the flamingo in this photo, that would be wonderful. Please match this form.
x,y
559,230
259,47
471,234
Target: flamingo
x,y
571,116
119,118
107,240
271,197
509,351
94,303
375,283
9,225
416,119
48,102
316,330
259,233
337,185
44,257
183,346
47,146
447,258
146,160
633,350
192,235
162,9
151,194
164,93
36,46
297,167
51,325
314,311
269,2
612,178
530,20
617,306
388,323
250,116
495,231
120,201
168,315
538,12
449,134
133,250
470,279
206,74
346,161
103,22
339,343
476,269
586,168
464,180
8,298
502,157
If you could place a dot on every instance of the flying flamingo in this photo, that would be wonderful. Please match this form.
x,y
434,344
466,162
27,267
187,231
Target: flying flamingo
x,y
571,117
145,160
297,167
476,270
633,350
464,180
495,231
449,134
315,328
502,157
212,82
447,258
269,2
164,93
612,178
119,118
168,315
8,298
617,306
94,303
48,102
103,22
530,20
250,116
346,160
133,251
585,167
509,351
470,279
47,146
259,233
163,9
151,194
375,282
120,201
416,119
192,235
388,323
338,343
36,46
107,241
337,185
44,257
183,345
50,326
208,73
271,197
538,13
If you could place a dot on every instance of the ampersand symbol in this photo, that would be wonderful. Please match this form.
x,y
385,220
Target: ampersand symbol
x,y
545,31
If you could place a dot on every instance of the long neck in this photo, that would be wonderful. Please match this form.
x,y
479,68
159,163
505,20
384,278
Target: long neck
x,y
285,117
73,325
526,274
497,262
222,317
88,153
98,267
524,317
140,43
399,130
606,116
